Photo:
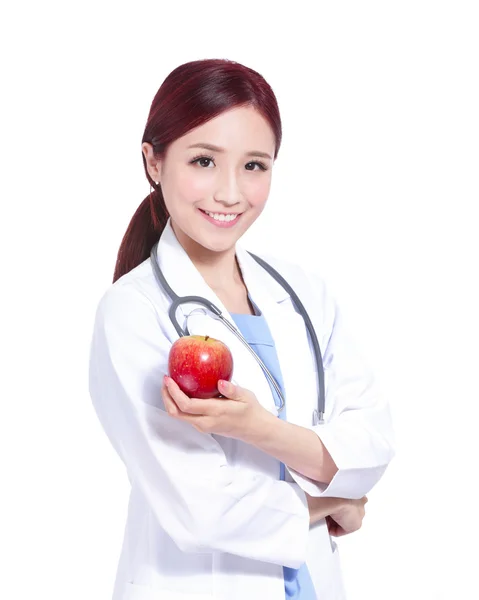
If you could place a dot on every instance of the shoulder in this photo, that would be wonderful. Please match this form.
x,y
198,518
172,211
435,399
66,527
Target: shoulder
x,y
308,281
312,290
131,293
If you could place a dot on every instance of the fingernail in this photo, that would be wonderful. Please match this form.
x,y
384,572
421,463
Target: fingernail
x,y
165,380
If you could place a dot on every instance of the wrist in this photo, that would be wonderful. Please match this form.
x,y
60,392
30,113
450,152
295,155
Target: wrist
x,y
261,426
341,506
321,507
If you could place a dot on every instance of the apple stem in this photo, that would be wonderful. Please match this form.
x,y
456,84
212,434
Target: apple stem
x,y
206,338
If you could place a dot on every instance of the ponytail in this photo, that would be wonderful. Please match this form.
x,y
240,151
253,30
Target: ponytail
x,y
144,230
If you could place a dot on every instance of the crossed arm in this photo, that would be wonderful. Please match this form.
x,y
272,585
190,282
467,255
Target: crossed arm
x,y
297,447
239,415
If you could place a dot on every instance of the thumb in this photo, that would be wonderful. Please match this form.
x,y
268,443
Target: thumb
x,y
229,390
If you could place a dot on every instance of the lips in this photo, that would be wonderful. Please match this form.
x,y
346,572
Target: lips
x,y
220,213
221,224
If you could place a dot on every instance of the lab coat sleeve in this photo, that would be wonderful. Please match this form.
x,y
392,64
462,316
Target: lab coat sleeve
x,y
196,496
357,431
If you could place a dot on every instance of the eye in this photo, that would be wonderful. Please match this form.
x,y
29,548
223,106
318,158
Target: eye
x,y
261,165
201,161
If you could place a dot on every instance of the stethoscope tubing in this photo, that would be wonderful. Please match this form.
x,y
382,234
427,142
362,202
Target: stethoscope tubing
x,y
176,301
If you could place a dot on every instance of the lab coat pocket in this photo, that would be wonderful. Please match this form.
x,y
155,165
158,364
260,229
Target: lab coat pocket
x,y
135,591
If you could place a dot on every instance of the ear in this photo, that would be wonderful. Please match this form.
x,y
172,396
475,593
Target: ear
x,y
153,164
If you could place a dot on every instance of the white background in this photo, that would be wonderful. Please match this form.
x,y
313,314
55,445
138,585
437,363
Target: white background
x,y
376,185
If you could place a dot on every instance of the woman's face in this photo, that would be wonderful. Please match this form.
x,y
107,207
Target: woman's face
x,y
232,179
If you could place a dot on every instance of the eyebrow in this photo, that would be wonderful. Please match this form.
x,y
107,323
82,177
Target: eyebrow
x,y
218,149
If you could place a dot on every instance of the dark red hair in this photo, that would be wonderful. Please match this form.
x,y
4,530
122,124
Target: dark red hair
x,y
191,95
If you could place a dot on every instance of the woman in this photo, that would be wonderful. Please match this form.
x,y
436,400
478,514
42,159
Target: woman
x,y
227,501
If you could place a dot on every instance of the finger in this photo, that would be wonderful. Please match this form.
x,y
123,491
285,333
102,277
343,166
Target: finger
x,y
180,398
174,411
330,523
230,390
333,528
193,406
340,532
170,405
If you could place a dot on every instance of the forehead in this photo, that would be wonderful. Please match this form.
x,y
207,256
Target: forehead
x,y
240,128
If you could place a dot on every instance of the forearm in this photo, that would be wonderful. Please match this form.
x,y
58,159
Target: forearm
x,y
297,447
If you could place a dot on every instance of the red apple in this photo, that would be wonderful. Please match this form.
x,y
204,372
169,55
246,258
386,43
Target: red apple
x,y
197,362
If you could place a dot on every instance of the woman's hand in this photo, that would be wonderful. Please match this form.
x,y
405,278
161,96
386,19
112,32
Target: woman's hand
x,y
342,514
234,416
348,517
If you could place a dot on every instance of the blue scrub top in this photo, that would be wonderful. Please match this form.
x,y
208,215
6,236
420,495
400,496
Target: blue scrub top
x,y
297,582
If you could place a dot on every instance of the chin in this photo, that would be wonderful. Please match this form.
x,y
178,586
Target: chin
x,y
220,246
207,241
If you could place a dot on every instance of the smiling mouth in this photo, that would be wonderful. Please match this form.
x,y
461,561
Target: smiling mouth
x,y
210,212
221,219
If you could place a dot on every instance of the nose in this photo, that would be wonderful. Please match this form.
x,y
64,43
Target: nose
x,y
228,190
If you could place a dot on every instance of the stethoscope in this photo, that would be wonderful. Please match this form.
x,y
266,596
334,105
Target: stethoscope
x,y
318,413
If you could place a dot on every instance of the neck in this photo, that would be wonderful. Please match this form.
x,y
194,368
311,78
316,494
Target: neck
x,y
220,270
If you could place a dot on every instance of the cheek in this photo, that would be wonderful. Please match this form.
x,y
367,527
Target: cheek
x,y
183,187
258,191
191,187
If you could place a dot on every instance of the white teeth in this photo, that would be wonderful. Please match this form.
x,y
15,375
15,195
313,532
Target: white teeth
x,y
218,217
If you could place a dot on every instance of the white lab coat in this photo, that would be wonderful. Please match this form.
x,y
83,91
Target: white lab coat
x,y
208,516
